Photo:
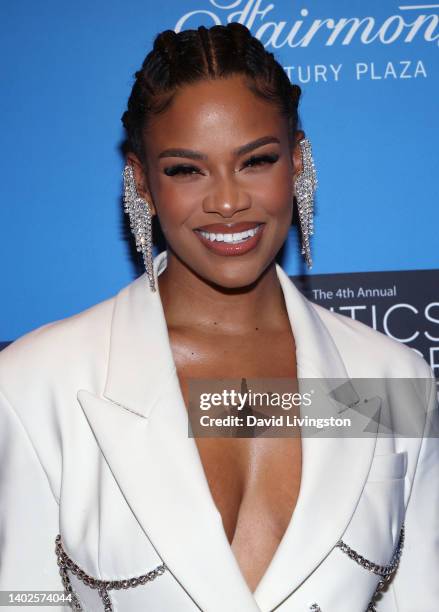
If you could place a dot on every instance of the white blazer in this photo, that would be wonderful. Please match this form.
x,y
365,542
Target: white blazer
x,y
94,447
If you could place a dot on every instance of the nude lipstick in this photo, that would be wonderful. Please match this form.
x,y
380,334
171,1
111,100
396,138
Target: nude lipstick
x,y
230,238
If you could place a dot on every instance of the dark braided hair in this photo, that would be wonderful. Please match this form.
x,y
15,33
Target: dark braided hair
x,y
178,59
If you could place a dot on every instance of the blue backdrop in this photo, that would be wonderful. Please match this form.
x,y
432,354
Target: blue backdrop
x,y
369,75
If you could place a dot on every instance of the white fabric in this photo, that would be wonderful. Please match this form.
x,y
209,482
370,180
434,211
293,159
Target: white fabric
x,y
94,445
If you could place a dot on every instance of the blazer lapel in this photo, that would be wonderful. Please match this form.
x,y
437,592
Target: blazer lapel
x,y
141,426
334,468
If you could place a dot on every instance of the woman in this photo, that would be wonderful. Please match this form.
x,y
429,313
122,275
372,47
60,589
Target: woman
x,y
94,424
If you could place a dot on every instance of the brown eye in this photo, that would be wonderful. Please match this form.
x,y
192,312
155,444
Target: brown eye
x,y
260,160
182,169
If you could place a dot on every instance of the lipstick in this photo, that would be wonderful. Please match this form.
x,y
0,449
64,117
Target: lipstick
x,y
231,238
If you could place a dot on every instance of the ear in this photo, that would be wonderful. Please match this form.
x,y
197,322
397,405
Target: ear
x,y
141,180
296,154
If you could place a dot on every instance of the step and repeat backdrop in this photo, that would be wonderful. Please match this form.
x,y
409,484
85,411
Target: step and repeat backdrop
x,y
369,76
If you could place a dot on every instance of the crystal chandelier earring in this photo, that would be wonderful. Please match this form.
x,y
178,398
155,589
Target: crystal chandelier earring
x,y
140,221
305,186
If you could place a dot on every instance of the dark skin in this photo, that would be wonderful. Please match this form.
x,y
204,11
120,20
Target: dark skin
x,y
226,316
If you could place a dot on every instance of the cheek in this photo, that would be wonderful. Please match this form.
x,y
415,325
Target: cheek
x,y
276,194
174,206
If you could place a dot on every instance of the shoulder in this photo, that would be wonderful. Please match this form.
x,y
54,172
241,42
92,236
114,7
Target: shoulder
x,y
369,352
58,350
40,374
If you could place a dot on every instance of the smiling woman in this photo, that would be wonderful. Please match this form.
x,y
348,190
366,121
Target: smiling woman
x,y
226,187
129,510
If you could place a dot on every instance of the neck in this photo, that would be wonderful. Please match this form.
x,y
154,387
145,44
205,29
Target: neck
x,y
191,302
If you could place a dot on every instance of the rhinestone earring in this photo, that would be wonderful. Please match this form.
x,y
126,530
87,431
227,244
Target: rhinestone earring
x,y
140,216
305,186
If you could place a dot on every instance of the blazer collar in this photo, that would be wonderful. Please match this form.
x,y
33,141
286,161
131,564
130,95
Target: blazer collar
x,y
140,424
139,330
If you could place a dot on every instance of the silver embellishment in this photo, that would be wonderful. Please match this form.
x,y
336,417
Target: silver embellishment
x,y
103,586
140,221
386,572
305,186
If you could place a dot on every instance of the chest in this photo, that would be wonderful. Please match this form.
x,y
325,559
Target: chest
x,y
254,482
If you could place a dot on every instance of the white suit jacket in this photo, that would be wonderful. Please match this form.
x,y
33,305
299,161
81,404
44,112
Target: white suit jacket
x,y
94,446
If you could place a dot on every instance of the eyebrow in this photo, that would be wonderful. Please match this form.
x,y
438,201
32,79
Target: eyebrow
x,y
182,153
250,146
259,142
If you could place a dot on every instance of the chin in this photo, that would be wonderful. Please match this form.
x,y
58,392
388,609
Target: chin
x,y
228,272
231,277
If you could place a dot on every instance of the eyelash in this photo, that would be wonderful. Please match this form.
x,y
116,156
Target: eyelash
x,y
187,170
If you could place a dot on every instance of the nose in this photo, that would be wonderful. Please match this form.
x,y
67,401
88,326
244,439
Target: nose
x,y
226,198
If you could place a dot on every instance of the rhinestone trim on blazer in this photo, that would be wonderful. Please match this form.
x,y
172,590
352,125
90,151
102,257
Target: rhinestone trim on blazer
x,y
385,571
103,586
65,563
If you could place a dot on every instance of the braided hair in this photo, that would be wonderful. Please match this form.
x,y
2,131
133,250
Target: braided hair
x,y
179,59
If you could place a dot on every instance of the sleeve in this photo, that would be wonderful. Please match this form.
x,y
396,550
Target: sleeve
x,y
415,586
29,517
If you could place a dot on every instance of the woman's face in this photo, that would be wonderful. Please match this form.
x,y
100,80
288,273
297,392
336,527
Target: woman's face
x,y
197,177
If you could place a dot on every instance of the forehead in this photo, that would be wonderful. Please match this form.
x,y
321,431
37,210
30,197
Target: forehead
x,y
220,112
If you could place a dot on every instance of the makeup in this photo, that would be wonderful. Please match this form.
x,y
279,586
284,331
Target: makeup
x,y
230,239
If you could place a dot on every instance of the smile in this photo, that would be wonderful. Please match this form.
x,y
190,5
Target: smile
x,y
231,243
230,238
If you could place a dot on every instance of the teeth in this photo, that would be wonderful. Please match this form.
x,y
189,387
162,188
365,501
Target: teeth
x,y
233,238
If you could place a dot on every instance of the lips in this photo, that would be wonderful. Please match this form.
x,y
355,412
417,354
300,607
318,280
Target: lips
x,y
240,238
229,228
